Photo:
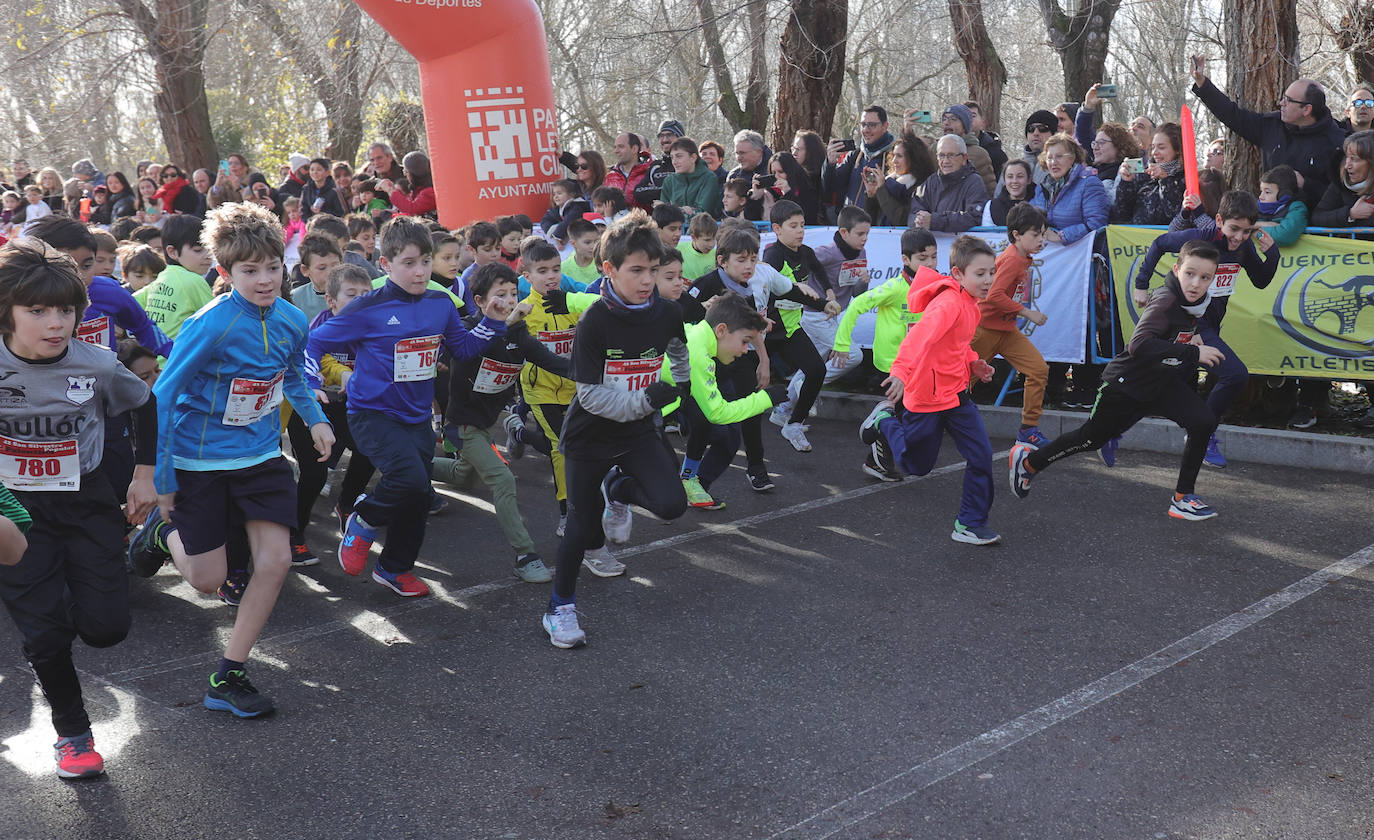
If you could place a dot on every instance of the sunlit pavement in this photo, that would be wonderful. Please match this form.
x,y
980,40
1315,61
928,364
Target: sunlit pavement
x,y
820,661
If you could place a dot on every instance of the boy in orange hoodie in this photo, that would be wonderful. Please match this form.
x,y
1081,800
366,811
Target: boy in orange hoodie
x,y
931,377
1009,300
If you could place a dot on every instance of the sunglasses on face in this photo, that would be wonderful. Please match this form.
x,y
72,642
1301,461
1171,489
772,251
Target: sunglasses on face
x,y
167,175
1040,129
584,166
1362,103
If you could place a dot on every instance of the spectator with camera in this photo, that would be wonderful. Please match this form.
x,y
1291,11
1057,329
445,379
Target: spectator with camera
x,y
888,200
845,161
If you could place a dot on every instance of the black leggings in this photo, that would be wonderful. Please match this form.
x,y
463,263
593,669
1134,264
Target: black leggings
x,y
798,351
712,446
649,479
1114,413
737,380
313,473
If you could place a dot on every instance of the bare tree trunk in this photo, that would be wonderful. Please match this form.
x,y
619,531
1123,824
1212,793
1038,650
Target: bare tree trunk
x,y
811,69
176,38
1081,40
753,112
987,75
1261,61
1355,35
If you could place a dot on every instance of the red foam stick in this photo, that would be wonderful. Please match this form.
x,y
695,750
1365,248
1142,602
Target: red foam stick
x,y
1189,153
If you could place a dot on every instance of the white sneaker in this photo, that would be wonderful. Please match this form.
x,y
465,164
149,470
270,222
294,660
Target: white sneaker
x,y
562,525
563,629
782,412
795,434
601,563
616,519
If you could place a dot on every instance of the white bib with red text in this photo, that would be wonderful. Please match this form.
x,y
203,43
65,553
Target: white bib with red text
x,y
1224,282
250,400
415,359
31,465
493,377
630,375
95,331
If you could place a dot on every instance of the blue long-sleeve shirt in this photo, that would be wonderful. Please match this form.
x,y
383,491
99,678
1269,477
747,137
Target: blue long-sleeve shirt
x,y
1259,270
394,338
218,396
112,306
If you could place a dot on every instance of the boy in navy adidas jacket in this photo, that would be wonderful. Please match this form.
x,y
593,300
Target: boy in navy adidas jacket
x,y
395,334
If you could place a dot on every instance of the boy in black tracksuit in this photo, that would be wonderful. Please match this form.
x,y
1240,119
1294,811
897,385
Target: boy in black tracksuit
x,y
612,440
1151,376
479,389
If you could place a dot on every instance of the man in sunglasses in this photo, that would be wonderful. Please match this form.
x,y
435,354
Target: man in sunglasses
x,y
1040,126
1300,133
1360,114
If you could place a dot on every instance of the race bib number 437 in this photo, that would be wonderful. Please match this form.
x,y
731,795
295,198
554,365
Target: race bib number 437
x,y
415,359
632,375
33,465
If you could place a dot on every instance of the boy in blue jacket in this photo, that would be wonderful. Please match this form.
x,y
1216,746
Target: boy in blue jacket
x,y
394,334
220,468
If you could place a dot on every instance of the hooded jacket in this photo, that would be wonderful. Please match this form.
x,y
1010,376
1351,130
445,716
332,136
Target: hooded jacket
x,y
1309,149
954,201
933,362
1078,208
1159,347
698,189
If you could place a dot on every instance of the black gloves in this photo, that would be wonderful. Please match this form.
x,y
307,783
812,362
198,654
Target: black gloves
x,y
660,394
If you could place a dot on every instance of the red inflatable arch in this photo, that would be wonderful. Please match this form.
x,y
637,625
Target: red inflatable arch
x,y
488,99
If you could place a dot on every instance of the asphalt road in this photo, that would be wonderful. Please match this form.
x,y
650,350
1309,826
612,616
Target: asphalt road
x,y
821,661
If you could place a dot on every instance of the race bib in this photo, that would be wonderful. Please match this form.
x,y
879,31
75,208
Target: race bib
x,y
558,342
250,400
632,375
1184,337
493,377
853,272
415,359
1224,282
32,466
96,331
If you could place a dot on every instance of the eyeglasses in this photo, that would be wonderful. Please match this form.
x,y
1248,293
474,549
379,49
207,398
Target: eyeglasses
x,y
1362,103
1061,156
869,124
1097,144
950,155
1215,152
1287,98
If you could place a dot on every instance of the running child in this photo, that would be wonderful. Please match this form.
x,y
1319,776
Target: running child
x,y
1153,375
1238,242
581,264
394,335
180,290
919,259
479,389
319,255
845,263
71,579
615,452
795,260
931,378
221,476
1009,300
484,239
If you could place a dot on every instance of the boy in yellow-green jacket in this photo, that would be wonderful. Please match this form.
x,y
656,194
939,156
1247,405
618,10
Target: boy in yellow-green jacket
x,y
919,255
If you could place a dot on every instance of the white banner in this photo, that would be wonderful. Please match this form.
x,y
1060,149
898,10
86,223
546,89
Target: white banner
x,y
1060,284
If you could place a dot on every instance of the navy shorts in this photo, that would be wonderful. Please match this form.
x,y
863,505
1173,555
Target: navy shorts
x,y
209,503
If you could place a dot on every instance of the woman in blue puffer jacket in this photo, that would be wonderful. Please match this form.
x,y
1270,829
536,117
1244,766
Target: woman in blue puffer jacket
x,y
1071,195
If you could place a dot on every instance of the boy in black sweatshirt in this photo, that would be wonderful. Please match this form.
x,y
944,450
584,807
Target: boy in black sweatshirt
x,y
479,389
1151,376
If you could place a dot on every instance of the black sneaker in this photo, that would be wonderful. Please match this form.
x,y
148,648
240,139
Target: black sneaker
x,y
148,548
759,480
1079,398
236,695
1303,418
879,463
231,591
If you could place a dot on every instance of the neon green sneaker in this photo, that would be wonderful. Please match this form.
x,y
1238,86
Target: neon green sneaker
x,y
697,496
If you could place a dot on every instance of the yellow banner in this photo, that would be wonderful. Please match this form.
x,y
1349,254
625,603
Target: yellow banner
x,y
1315,319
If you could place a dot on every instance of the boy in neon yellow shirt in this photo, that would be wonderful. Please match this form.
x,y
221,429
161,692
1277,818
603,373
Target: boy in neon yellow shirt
x,y
699,255
180,290
581,264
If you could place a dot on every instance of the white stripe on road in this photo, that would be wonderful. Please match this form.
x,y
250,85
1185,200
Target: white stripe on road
x,y
895,789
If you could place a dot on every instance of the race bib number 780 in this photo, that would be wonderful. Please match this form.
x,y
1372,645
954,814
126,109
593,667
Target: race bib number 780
x,y
39,465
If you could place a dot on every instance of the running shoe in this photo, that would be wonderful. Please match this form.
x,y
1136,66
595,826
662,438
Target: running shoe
x,y
1303,418
342,516
531,569
1079,398
148,548
1108,451
302,556
437,503
562,627
795,434
880,464
562,525
616,519
356,545
759,479
404,584
697,496
600,562
515,446
1032,437
1020,473
868,429
77,758
1190,507
981,535
781,414
236,695
231,591
1214,458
